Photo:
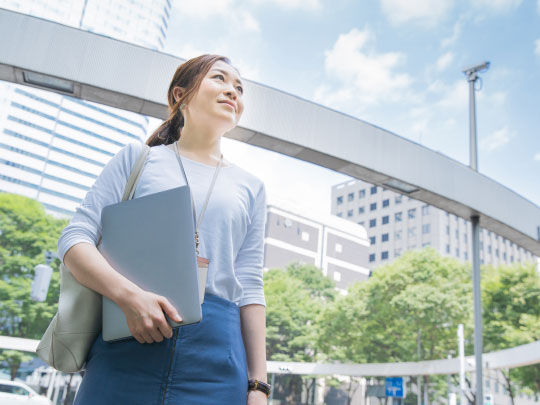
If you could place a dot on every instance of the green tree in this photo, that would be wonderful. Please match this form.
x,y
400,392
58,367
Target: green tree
x,y
511,301
26,232
14,359
421,294
295,296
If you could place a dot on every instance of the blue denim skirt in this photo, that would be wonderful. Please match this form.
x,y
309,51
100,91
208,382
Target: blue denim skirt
x,y
203,364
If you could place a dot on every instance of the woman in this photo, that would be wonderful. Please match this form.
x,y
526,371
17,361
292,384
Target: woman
x,y
208,362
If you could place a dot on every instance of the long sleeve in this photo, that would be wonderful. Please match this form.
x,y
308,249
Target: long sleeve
x,y
85,225
248,265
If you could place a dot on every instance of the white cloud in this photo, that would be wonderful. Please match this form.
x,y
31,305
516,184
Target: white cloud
x,y
292,4
444,60
496,140
237,17
537,156
456,32
362,74
537,47
497,6
538,6
428,12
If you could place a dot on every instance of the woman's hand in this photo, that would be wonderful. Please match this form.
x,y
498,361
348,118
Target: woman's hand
x,y
145,316
256,397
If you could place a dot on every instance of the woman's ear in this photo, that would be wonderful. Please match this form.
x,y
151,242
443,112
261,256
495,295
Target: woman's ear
x,y
177,93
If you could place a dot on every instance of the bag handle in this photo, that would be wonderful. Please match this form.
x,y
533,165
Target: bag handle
x,y
134,177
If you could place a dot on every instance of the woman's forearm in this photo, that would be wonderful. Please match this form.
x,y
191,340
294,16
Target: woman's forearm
x,y
90,268
253,320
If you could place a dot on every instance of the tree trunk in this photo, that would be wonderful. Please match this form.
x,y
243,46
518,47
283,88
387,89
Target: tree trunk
x,y
508,384
426,389
13,370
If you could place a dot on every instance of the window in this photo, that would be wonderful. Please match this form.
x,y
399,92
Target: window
x,y
372,206
398,199
397,252
340,200
385,219
512,259
489,248
412,213
360,210
425,209
372,257
447,248
340,214
426,228
305,236
350,197
448,229
373,190
412,231
361,223
465,237
386,203
373,222
397,235
481,245
349,213
384,255
384,237
338,248
361,193
372,240
457,234
457,252
397,217
466,256
13,389
337,276
426,244
497,252
504,255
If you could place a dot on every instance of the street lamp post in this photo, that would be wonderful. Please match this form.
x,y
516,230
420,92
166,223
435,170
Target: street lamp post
x,y
472,76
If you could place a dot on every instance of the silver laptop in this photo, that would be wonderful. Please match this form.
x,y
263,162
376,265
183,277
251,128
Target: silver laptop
x,y
151,241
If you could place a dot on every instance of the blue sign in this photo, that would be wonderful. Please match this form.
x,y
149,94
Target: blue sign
x,y
394,387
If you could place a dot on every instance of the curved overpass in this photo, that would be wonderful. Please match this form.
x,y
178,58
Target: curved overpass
x,y
108,71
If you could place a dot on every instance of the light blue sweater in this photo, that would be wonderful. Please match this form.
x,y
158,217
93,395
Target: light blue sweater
x,y
231,234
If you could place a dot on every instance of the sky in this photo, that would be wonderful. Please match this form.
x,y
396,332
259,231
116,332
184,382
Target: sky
x,y
396,64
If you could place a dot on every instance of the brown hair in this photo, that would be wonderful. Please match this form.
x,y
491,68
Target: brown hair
x,y
188,75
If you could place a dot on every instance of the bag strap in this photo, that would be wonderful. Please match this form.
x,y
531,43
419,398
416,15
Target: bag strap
x,y
134,176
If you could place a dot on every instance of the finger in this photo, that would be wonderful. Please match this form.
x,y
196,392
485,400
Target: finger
x,y
147,337
139,338
169,309
156,335
165,329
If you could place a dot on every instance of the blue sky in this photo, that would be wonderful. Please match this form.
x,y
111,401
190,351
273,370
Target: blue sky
x,y
394,63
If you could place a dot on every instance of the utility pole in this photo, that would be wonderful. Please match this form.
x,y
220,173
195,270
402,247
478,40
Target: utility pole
x,y
472,76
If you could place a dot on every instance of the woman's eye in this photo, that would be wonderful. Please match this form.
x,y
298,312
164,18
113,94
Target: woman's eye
x,y
239,87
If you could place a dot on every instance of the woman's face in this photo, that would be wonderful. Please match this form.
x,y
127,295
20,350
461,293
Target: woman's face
x,y
221,83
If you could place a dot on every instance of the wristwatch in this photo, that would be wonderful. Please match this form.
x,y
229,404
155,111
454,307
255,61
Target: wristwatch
x,y
260,386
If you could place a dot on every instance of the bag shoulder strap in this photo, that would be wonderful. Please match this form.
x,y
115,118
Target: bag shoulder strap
x,y
134,177
135,174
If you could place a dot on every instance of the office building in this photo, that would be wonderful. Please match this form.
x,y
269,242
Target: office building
x,y
396,223
53,146
338,247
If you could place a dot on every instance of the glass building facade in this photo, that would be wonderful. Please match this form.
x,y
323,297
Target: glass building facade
x,y
52,146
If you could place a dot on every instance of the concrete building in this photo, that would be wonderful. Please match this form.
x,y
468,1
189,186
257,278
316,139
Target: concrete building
x,y
53,146
337,246
396,223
